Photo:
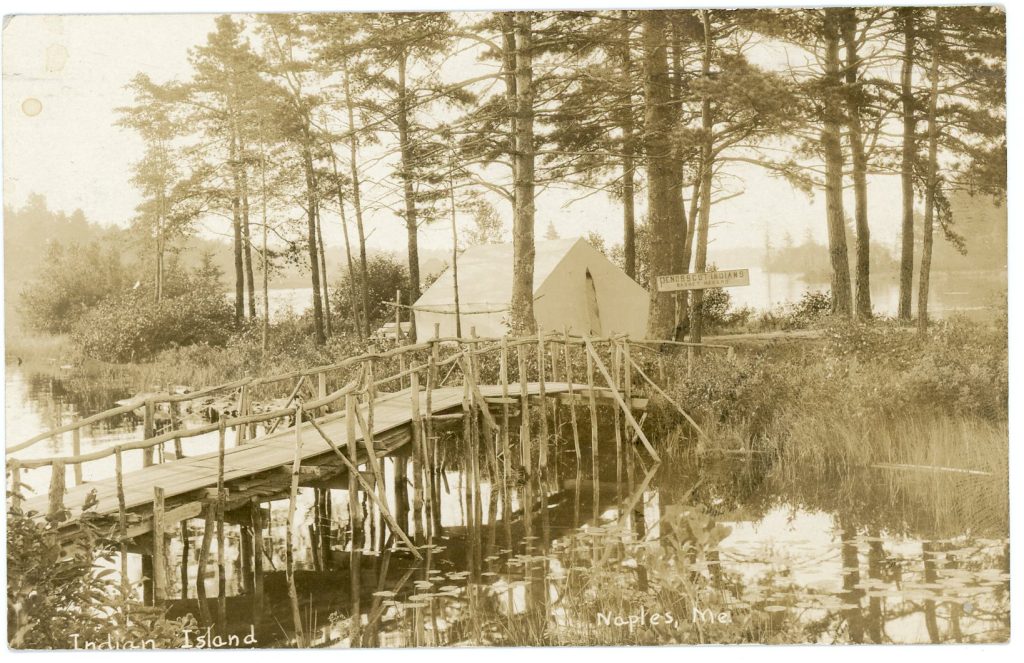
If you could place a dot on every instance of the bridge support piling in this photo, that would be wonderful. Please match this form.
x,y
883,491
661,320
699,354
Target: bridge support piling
x,y
525,451
593,417
542,460
159,548
256,518
209,518
572,397
221,545
355,516
184,559
293,492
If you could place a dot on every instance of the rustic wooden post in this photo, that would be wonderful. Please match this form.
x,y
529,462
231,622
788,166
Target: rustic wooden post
x,y
222,597
293,492
55,510
593,416
148,431
572,397
210,517
245,543
256,518
417,455
178,453
184,559
541,378
122,520
76,451
503,377
355,515
15,483
242,429
627,364
525,450
159,548
428,440
435,350
616,370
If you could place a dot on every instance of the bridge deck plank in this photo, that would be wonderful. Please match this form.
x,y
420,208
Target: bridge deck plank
x,y
194,473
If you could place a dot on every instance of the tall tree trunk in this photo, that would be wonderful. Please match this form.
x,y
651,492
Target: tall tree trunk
x,y
508,67
314,260
353,291
860,167
660,166
364,279
523,250
628,153
455,252
250,281
706,173
236,224
932,180
831,142
411,225
907,165
265,332
680,222
691,225
323,272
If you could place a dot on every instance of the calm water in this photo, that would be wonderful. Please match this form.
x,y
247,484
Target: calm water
x,y
801,558
977,295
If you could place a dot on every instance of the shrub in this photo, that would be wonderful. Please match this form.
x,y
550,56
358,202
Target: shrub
x,y
134,327
54,595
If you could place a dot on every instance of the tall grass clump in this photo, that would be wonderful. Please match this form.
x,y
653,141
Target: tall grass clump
x,y
866,393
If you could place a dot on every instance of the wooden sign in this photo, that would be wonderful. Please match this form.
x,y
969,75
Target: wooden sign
x,y
721,279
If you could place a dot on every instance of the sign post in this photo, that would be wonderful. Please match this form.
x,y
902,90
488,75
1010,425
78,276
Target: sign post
x,y
701,280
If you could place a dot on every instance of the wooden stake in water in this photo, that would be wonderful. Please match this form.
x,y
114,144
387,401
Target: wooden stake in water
x,y
593,416
184,559
122,521
204,558
525,450
503,377
222,588
572,397
541,378
256,519
293,596
159,548
616,368
418,456
354,513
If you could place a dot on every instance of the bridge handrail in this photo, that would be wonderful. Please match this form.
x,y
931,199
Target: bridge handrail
x,y
345,363
191,432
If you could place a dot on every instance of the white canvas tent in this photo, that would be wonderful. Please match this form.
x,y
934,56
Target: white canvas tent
x,y
574,286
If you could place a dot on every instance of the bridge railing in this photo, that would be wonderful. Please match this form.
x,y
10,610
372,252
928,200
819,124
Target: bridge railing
x,y
546,357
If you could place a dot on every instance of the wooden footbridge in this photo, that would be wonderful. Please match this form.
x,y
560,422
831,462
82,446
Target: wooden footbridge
x,y
335,439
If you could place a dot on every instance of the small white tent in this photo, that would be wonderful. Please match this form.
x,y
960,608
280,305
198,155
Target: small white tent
x,y
575,286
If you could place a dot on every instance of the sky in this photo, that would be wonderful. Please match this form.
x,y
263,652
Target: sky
x,y
64,76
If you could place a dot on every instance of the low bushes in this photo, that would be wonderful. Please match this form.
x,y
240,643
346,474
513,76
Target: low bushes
x,y
133,326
